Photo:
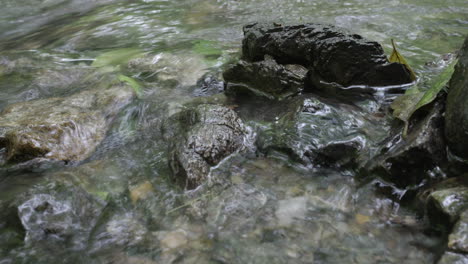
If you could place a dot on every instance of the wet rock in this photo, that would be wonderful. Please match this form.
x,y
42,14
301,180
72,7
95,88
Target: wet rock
x,y
333,55
407,160
456,117
174,239
446,205
458,239
266,78
453,258
64,216
238,208
208,85
118,229
200,137
64,129
316,132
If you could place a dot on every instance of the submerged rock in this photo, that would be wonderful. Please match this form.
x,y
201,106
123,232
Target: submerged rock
x,y
208,85
318,133
332,55
407,160
458,239
65,216
200,137
456,117
267,78
64,129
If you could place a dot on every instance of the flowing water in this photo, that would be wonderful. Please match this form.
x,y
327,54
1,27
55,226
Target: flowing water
x,y
273,209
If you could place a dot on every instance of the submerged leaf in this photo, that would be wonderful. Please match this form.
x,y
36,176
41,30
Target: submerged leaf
x,y
397,57
405,105
116,57
207,48
132,82
141,191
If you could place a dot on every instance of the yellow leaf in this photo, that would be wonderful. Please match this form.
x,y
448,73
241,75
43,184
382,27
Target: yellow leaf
x,y
361,219
141,191
397,57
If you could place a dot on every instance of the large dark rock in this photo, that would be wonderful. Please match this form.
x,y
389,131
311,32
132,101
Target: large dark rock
x,y
63,129
266,78
408,160
456,117
331,54
200,137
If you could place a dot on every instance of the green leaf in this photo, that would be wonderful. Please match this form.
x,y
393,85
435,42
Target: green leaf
x,y
405,105
132,82
116,57
397,57
207,48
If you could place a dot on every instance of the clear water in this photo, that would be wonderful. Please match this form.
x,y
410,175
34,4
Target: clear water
x,y
275,210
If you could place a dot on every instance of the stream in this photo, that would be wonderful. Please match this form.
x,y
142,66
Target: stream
x,y
119,205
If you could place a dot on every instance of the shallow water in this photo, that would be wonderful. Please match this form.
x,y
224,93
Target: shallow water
x,y
265,209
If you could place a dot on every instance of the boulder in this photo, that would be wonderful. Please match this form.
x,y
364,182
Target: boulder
x,y
200,137
63,129
332,54
456,117
266,78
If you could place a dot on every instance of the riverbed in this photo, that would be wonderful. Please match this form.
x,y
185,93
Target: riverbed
x,y
268,206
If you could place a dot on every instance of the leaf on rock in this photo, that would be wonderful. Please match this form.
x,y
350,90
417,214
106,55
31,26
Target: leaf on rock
x,y
405,105
397,57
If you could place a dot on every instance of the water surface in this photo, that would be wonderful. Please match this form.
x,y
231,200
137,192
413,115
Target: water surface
x,y
274,209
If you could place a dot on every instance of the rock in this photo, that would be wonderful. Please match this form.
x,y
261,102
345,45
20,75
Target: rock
x,y
118,229
141,191
208,85
200,137
238,208
407,160
332,54
315,132
446,205
453,258
266,78
64,129
64,215
456,116
458,239
174,239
